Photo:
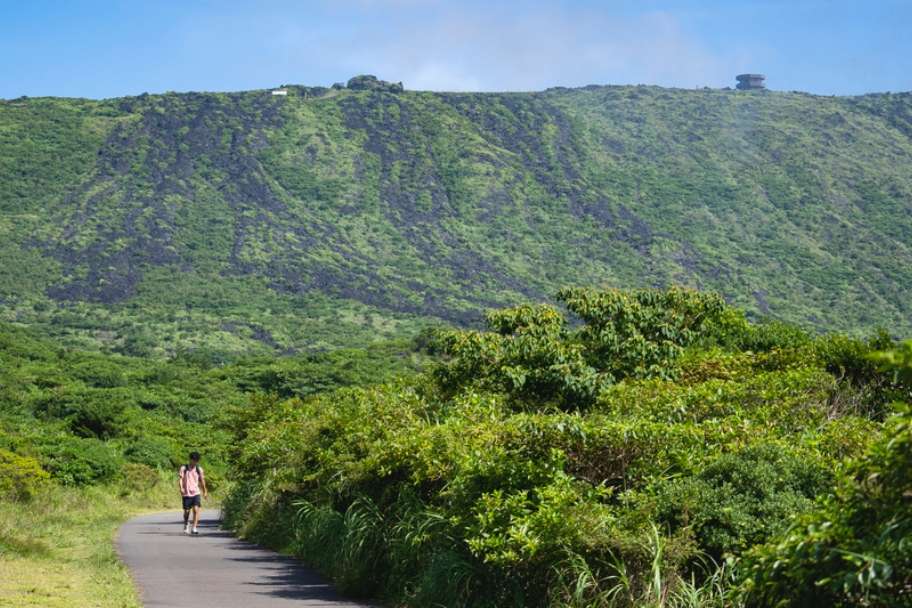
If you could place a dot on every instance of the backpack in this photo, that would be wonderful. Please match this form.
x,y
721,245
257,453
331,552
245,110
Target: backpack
x,y
186,469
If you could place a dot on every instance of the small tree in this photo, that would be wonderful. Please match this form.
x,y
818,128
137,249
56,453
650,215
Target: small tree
x,y
531,354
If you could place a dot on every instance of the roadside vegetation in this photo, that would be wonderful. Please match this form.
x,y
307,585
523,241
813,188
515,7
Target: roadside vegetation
x,y
648,448
57,550
87,440
633,448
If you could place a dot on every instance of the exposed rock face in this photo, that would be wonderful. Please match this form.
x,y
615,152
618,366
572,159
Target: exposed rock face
x,y
369,82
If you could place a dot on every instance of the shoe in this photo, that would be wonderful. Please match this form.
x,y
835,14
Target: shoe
x,y
187,529
196,532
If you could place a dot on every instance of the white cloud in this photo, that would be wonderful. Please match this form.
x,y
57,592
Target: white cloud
x,y
484,50
431,44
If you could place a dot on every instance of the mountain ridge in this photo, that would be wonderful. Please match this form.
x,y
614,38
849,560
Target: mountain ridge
x,y
239,221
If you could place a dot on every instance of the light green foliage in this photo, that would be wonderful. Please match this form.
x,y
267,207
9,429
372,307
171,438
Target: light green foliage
x,y
20,476
57,550
532,355
698,448
640,334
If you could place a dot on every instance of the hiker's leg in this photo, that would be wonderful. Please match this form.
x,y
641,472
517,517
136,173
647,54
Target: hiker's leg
x,y
186,516
196,516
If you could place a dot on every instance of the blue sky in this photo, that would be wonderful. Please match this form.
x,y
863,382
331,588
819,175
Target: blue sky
x,y
91,48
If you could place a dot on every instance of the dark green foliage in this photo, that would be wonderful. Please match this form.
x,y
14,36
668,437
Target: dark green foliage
x,y
854,549
99,373
153,451
851,361
305,375
84,415
743,498
88,412
80,461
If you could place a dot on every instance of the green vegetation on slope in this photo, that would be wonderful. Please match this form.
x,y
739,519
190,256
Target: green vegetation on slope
x,y
239,223
628,459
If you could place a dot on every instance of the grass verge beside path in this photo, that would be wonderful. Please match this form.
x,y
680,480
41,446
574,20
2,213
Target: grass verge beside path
x,y
57,550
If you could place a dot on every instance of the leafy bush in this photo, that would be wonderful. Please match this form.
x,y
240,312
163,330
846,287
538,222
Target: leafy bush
x,y
854,549
80,461
139,477
21,477
99,373
772,335
537,458
640,333
531,354
852,362
156,452
89,412
743,498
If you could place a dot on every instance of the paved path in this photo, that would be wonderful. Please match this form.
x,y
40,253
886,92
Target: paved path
x,y
214,569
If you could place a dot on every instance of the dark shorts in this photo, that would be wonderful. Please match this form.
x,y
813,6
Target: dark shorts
x,y
191,501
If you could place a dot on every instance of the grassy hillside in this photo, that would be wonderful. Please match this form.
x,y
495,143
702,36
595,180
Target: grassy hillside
x,y
246,222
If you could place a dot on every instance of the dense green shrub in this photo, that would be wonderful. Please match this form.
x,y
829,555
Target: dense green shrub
x,y
771,335
743,498
89,412
138,477
640,333
532,354
85,414
100,373
854,549
156,452
536,459
79,461
312,373
21,477
866,387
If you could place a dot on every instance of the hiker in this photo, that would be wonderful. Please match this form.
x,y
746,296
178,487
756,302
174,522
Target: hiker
x,y
190,481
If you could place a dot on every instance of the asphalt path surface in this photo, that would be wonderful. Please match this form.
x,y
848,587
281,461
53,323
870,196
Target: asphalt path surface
x,y
214,569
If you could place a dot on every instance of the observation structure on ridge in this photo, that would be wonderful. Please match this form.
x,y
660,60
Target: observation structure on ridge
x,y
750,82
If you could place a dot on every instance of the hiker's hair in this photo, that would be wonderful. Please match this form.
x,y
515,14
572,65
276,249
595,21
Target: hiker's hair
x,y
194,455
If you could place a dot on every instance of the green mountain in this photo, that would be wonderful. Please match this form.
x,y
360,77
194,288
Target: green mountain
x,y
259,222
